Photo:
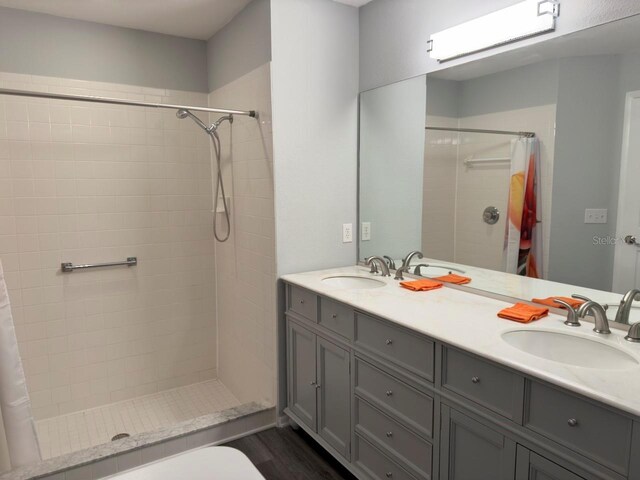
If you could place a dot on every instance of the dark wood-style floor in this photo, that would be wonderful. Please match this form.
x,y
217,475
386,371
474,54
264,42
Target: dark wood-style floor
x,y
287,454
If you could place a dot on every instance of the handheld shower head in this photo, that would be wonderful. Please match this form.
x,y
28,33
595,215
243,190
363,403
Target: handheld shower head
x,y
184,113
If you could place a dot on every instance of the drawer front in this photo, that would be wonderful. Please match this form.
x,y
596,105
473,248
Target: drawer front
x,y
491,386
376,465
594,431
404,348
336,317
408,448
303,302
405,403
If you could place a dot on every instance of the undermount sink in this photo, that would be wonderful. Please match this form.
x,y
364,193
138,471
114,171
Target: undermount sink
x,y
569,349
353,282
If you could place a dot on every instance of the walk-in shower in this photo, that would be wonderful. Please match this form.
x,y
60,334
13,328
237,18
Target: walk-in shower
x,y
110,351
218,190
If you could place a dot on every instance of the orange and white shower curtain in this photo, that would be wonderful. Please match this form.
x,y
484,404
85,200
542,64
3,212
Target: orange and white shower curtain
x,y
523,242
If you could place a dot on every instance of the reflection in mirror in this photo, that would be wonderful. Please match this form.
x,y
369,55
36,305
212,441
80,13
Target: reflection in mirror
x,y
564,112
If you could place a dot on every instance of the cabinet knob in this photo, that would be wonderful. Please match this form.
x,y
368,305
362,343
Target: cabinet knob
x,y
475,379
389,434
313,384
301,301
335,315
388,475
389,393
572,422
388,341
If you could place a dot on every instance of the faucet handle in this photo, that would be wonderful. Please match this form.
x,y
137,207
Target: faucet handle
x,y
572,313
390,261
418,269
634,333
400,271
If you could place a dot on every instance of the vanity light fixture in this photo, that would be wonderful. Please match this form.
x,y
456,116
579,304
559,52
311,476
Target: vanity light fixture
x,y
510,24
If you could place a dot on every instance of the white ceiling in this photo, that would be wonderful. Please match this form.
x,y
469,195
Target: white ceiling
x,y
198,19
354,3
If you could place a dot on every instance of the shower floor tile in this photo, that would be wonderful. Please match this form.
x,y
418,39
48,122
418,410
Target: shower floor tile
x,y
88,428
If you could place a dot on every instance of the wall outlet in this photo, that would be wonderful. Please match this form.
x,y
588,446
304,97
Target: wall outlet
x,y
365,231
347,232
595,215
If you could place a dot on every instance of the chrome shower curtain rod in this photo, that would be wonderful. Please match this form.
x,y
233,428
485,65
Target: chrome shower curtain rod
x,y
117,101
476,130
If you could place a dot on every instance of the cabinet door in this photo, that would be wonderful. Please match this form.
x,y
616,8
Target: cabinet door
x,y
531,466
473,451
301,373
334,403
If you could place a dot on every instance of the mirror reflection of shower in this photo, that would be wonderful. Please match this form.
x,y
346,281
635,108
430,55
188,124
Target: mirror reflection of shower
x,y
211,130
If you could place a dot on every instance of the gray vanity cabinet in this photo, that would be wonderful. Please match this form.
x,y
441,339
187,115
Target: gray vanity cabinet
x,y
470,450
301,373
389,402
531,466
334,396
319,386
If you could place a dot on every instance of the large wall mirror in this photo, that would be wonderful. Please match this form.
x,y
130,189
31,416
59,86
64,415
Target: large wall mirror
x,y
519,170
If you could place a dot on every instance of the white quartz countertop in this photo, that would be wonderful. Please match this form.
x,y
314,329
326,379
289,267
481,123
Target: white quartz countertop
x,y
470,322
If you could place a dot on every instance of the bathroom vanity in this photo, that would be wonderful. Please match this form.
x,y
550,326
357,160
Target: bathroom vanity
x,y
432,385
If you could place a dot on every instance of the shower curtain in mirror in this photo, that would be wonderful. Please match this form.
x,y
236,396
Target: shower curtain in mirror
x,y
18,440
523,237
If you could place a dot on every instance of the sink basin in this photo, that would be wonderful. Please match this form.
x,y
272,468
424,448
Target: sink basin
x,y
353,282
569,349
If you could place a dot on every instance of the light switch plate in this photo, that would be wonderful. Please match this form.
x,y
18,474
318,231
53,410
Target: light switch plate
x,y
595,215
347,232
365,231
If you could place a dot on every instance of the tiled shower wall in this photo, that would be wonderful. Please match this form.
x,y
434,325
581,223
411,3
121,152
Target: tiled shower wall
x,y
245,265
455,194
87,183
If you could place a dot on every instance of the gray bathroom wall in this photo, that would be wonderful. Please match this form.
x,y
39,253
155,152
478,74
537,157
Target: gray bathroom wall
x,y
443,98
523,87
394,33
39,44
584,169
314,74
241,46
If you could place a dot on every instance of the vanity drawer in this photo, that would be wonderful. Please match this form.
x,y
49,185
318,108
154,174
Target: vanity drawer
x,y
594,431
303,302
336,317
408,448
402,347
377,465
405,403
484,383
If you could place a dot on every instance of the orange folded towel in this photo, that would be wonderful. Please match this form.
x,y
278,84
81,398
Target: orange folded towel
x,y
549,302
523,313
421,285
453,278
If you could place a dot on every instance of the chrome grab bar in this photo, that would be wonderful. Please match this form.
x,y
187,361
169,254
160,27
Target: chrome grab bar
x,y
70,267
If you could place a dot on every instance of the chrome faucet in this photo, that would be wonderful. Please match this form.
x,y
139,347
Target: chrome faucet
x,y
599,314
390,261
624,310
407,260
572,314
383,265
